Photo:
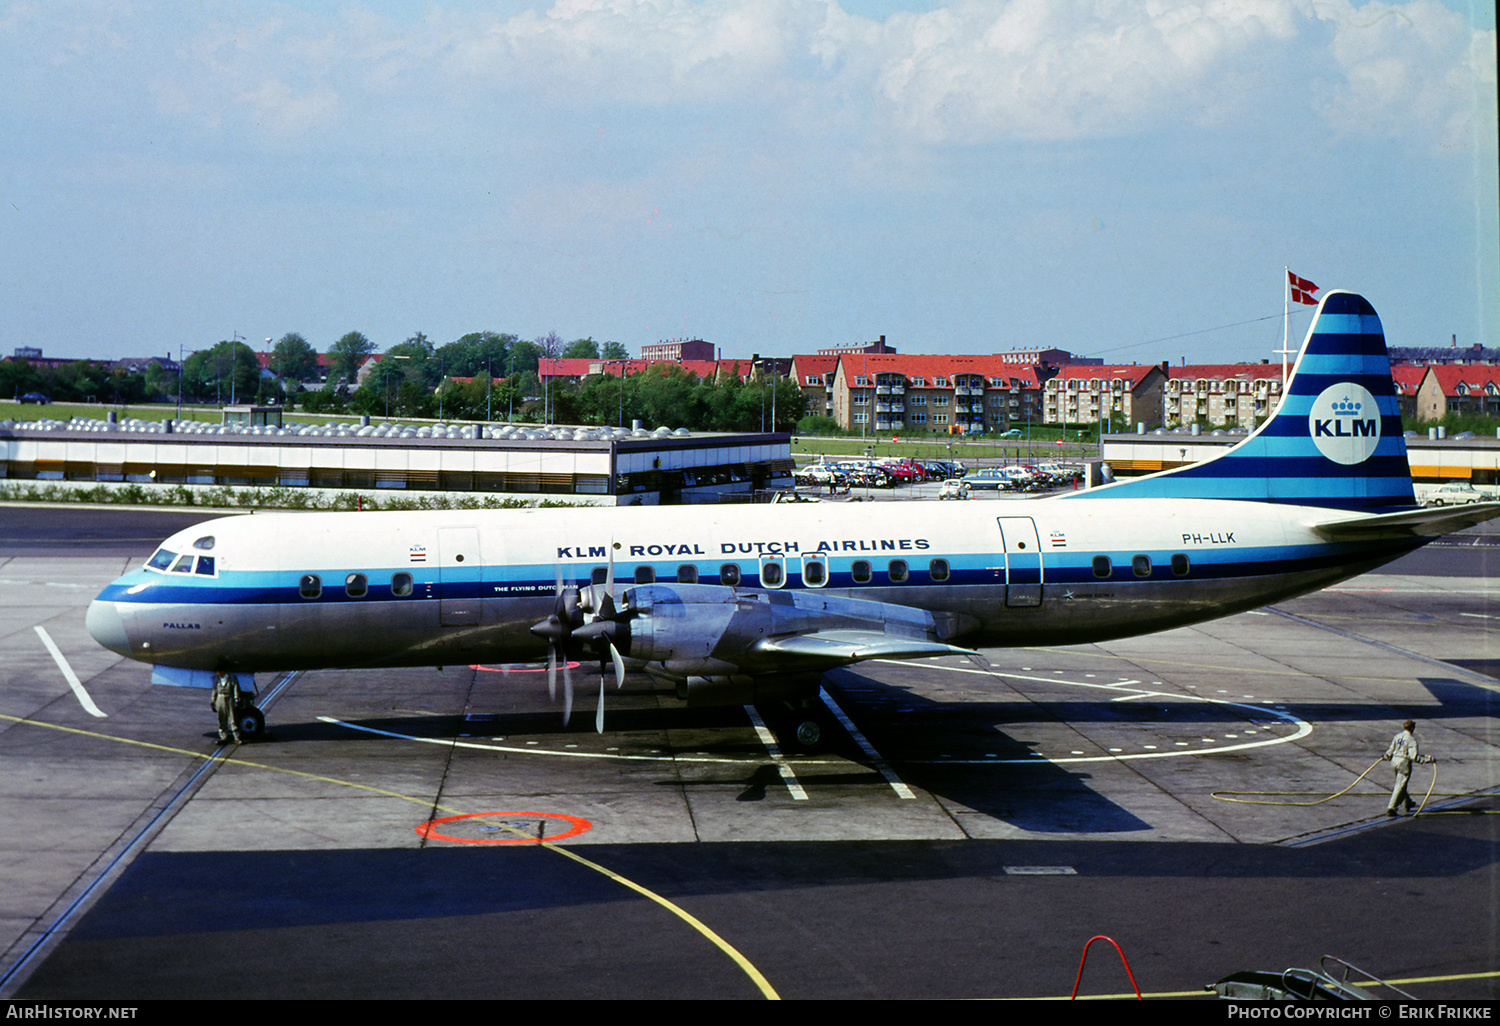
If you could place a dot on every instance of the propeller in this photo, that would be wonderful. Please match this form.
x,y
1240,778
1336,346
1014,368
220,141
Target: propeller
x,y
558,630
607,624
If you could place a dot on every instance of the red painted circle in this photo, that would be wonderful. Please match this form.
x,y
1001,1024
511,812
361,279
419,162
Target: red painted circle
x,y
579,826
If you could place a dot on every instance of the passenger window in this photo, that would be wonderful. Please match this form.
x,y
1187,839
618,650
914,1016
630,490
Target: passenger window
x,y
898,571
310,586
184,565
1141,566
206,565
1102,567
814,573
687,573
355,585
1180,564
938,569
401,584
598,575
771,574
860,571
729,574
645,574
162,560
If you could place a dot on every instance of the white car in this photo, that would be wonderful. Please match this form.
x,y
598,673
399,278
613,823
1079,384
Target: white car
x,y
1457,494
954,488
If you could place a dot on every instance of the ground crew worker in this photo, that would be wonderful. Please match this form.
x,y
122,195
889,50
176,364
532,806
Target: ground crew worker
x,y
1401,754
225,701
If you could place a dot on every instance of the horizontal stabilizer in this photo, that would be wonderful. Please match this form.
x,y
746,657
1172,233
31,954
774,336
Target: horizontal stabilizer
x,y
1416,523
839,647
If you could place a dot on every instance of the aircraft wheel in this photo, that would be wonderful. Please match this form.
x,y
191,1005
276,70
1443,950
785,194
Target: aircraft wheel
x,y
252,723
809,734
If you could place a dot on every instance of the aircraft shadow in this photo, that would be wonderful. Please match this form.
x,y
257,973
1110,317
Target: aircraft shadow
x,y
165,893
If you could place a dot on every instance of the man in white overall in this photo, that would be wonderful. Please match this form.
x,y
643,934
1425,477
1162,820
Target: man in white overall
x,y
1401,754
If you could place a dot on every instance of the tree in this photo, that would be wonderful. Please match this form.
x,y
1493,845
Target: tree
x,y
347,355
524,356
228,372
581,349
420,364
293,359
615,351
475,352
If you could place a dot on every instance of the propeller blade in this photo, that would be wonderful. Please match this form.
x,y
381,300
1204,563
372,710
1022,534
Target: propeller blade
x,y
552,673
567,691
614,654
599,716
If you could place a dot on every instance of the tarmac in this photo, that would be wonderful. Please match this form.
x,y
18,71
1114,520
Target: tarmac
x,y
1210,798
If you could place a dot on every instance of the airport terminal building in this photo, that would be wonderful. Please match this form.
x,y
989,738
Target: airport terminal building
x,y
579,465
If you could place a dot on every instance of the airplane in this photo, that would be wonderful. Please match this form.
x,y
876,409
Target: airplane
x,y
752,604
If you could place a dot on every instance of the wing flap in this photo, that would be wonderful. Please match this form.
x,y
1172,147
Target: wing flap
x,y
841,647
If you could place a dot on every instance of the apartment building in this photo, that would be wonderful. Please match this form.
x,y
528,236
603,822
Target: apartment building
x,y
941,394
1124,394
1224,395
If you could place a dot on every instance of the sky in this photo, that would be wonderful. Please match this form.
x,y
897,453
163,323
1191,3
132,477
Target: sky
x,y
1118,178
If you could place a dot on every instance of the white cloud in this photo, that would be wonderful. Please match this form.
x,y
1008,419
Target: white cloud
x,y
970,72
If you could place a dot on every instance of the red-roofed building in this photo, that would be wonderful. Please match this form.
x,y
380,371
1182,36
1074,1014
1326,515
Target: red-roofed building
x,y
945,394
1123,394
814,375
557,368
1408,378
1459,389
1223,395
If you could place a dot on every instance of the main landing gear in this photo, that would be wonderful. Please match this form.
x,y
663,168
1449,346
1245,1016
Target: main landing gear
x,y
801,725
251,721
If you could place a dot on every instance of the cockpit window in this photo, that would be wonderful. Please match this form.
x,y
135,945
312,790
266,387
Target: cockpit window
x,y
162,560
205,543
206,565
184,565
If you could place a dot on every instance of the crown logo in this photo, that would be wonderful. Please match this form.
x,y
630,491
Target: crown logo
x,y
1345,408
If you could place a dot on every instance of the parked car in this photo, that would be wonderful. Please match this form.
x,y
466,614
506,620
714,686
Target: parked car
x,y
953,488
1459,493
35,398
818,474
986,477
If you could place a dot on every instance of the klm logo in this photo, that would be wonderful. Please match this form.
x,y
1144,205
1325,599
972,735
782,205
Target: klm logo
x,y
1345,423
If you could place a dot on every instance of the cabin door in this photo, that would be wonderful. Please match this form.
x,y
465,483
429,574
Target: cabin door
x,y
460,575
1023,561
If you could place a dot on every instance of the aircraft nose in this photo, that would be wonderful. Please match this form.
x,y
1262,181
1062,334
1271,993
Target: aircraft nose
x,y
105,624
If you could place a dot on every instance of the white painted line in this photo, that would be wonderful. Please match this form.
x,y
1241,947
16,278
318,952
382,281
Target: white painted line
x,y
769,740
72,678
533,751
1041,871
1303,727
902,791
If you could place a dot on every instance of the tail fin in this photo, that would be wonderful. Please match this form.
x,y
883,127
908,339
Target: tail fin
x,y
1335,441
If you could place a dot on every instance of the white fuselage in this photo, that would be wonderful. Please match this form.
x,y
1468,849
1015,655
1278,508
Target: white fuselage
x,y
297,591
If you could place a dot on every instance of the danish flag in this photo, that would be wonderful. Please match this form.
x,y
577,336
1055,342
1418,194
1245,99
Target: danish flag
x,y
1302,290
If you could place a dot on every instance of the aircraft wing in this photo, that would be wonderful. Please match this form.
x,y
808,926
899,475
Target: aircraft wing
x,y
1419,523
692,629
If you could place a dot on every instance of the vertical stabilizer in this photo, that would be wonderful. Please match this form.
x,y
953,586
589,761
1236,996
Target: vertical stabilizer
x,y
1334,441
